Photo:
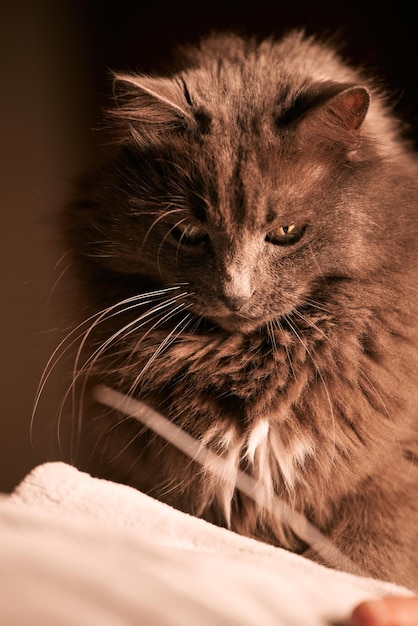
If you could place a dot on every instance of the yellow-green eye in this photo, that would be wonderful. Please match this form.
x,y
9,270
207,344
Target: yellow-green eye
x,y
285,235
286,230
189,234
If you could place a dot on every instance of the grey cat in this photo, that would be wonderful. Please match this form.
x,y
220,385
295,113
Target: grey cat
x,y
247,254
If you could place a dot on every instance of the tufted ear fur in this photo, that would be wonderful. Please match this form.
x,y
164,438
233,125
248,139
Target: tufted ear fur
x,y
349,107
338,115
149,106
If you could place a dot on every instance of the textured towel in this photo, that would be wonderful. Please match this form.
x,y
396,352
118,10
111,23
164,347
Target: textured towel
x,y
78,550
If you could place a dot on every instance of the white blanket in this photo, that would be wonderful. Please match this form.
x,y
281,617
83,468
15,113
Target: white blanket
x,y
79,551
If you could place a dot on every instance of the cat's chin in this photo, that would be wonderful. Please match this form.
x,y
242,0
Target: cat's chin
x,y
235,323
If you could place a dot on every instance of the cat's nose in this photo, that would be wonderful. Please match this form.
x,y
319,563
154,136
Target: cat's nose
x,y
236,288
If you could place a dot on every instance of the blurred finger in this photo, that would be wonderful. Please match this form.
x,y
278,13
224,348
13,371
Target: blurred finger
x,y
386,612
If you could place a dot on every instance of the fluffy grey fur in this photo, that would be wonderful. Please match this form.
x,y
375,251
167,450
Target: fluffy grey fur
x,y
247,249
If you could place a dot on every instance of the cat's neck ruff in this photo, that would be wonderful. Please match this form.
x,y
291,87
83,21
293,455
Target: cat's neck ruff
x,y
220,467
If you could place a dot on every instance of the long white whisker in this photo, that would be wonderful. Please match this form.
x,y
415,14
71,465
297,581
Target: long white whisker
x,y
379,397
58,279
74,336
78,371
310,323
163,240
270,332
170,338
289,357
131,327
325,387
155,222
163,345
317,305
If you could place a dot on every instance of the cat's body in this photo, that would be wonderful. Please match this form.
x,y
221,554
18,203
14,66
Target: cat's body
x,y
263,199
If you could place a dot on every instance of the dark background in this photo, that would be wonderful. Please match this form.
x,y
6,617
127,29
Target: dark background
x,y
54,62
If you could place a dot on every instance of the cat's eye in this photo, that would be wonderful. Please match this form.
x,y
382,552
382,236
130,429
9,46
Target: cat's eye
x,y
285,235
189,234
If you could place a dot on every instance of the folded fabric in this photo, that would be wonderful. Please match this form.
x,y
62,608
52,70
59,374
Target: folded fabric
x,y
83,551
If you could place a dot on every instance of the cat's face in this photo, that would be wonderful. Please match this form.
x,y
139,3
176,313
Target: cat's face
x,y
250,242
245,193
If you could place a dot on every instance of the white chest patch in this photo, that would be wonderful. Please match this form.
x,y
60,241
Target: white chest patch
x,y
272,464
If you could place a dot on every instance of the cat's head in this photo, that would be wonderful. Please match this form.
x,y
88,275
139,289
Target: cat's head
x,y
239,179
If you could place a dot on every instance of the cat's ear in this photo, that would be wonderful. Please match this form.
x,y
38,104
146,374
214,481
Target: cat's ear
x,y
149,104
350,107
339,115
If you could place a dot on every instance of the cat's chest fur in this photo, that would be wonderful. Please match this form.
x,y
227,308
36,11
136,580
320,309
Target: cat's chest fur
x,y
280,404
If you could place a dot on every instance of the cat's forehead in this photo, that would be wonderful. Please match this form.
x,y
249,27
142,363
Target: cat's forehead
x,y
251,176
257,199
